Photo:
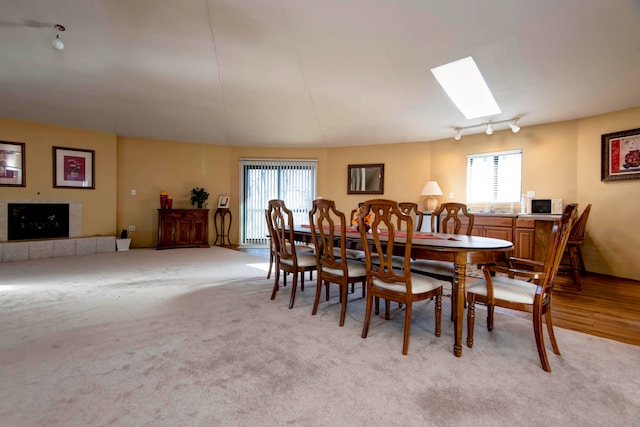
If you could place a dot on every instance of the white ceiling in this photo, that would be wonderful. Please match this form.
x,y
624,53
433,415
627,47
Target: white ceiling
x,y
310,72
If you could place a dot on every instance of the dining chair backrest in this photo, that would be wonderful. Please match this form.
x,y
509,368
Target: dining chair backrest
x,y
281,220
560,232
411,208
273,242
328,229
451,222
579,226
386,240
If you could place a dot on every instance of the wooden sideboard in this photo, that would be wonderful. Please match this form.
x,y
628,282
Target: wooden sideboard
x,y
182,228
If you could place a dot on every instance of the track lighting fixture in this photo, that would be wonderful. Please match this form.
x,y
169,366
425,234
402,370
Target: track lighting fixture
x,y
489,127
489,130
57,42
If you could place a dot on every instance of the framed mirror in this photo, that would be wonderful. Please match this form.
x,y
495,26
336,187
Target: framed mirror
x,y
365,179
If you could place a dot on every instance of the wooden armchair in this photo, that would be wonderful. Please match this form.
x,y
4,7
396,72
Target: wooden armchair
x,y
387,281
332,262
504,290
452,223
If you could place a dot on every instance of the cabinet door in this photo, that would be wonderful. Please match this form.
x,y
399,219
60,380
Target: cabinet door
x,y
166,236
183,231
524,244
503,233
199,230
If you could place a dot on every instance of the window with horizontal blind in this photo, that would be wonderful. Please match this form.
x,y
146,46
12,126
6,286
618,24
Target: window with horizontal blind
x,y
261,180
494,177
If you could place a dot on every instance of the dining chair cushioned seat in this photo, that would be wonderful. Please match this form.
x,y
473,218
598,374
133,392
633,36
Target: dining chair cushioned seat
x,y
396,260
442,268
507,289
419,284
355,254
304,260
354,269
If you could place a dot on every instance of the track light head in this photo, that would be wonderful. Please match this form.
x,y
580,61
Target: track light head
x,y
489,130
514,127
458,136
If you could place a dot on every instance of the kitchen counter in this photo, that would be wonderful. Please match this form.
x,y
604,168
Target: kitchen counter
x,y
537,217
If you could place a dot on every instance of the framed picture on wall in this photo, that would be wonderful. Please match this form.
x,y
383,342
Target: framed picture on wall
x,y
621,155
12,164
223,202
73,168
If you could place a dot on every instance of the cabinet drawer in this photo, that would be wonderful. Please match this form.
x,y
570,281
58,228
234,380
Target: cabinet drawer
x,y
525,223
494,221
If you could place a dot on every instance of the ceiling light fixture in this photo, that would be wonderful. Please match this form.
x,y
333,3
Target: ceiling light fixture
x,y
57,42
489,127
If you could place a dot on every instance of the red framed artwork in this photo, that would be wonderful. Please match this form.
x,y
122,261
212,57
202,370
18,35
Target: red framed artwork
x,y
621,155
73,168
12,164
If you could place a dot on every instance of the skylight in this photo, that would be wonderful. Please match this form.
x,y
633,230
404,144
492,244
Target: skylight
x,y
462,81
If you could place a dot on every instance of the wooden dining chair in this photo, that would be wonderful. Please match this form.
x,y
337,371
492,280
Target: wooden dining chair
x,y
573,253
287,257
448,217
328,228
387,281
411,208
509,288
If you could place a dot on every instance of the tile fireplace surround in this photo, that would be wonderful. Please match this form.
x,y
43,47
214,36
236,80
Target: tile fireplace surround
x,y
76,244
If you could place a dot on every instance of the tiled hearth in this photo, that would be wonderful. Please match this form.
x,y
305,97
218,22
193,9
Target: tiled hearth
x,y
36,249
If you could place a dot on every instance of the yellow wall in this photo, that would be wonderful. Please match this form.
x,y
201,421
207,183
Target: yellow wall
x,y
612,240
151,166
99,205
560,160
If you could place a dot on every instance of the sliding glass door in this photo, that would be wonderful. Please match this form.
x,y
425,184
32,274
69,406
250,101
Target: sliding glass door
x,y
261,180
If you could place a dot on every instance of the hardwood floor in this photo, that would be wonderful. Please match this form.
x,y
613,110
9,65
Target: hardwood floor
x,y
607,307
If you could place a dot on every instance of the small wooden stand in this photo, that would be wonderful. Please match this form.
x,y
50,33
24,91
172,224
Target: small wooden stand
x,y
222,233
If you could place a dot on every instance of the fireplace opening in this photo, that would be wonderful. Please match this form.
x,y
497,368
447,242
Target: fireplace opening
x,y
32,221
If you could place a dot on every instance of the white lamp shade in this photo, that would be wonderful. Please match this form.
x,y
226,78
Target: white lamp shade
x,y
431,188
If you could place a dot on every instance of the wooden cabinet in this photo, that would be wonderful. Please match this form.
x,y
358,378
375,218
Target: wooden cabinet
x,y
524,242
178,228
497,227
530,235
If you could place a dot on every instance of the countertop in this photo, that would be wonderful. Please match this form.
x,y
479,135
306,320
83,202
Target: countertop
x,y
538,217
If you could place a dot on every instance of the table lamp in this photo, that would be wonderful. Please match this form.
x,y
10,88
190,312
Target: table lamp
x,y
431,188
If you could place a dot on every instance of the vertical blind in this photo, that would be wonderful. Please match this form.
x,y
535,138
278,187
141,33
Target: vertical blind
x,y
261,180
494,177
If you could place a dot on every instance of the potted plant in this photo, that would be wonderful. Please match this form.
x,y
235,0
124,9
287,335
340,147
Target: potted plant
x,y
199,196
122,244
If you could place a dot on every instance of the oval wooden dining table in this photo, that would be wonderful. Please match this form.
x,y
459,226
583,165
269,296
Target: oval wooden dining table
x,y
457,248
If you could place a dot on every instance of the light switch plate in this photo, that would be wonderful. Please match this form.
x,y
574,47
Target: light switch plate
x,y
531,194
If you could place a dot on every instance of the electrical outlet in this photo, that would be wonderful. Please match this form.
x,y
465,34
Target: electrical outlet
x,y
133,191
132,228
531,194
451,195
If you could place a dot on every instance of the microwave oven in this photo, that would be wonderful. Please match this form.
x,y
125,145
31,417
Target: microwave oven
x,y
546,206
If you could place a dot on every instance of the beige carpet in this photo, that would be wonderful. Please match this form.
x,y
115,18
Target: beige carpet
x,y
189,337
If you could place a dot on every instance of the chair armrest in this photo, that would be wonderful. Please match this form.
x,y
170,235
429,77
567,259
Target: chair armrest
x,y
511,272
524,263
